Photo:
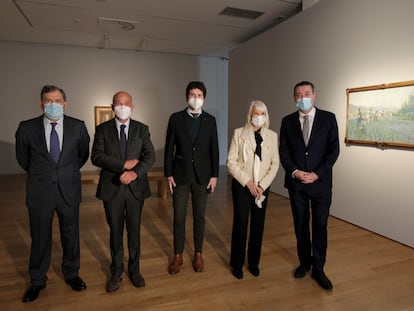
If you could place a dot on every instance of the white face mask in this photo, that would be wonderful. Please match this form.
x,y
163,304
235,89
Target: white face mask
x,y
258,121
122,112
195,104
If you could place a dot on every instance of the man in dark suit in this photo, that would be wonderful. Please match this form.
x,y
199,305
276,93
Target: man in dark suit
x,y
309,147
122,148
51,149
191,165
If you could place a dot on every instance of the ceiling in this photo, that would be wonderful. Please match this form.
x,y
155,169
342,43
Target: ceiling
x,y
192,27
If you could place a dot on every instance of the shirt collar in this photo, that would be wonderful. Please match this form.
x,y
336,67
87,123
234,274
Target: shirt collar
x,y
118,124
47,121
310,113
191,113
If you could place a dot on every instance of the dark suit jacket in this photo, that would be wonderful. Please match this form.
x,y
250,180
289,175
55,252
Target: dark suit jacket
x,y
42,172
320,154
106,154
180,152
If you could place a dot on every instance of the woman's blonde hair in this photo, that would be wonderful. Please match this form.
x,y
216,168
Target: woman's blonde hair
x,y
260,106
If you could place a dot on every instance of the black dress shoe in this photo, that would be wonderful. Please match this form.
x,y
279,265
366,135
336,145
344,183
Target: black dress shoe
x,y
300,272
254,270
137,280
76,283
32,293
320,277
237,273
113,283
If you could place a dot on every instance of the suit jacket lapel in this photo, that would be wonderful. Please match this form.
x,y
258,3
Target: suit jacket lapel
x,y
248,138
184,126
315,127
298,127
249,143
66,137
114,137
40,136
131,133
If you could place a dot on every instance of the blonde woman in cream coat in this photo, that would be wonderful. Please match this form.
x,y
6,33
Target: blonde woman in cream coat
x,y
253,161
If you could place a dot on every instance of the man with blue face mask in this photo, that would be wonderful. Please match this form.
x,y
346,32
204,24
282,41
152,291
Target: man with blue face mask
x,y
51,149
309,147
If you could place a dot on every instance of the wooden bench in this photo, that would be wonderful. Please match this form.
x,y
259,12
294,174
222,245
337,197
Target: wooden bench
x,y
154,174
157,174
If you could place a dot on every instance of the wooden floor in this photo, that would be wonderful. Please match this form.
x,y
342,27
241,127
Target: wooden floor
x,y
369,272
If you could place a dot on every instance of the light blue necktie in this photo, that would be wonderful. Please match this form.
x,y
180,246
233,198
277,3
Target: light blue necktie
x,y
54,144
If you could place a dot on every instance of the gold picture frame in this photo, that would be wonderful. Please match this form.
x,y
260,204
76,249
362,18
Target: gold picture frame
x,y
381,115
103,114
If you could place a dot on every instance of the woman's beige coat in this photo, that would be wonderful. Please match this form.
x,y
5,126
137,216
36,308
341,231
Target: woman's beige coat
x,y
240,159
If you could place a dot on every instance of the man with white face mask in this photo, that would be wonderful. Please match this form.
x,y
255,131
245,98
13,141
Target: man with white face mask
x,y
191,165
51,149
309,147
122,148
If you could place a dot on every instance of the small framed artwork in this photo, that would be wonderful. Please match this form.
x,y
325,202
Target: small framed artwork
x,y
102,114
381,115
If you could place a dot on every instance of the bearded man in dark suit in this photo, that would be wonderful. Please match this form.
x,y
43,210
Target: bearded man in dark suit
x,y
122,148
309,147
51,149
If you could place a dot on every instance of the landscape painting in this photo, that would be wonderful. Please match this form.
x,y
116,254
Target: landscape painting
x,y
381,115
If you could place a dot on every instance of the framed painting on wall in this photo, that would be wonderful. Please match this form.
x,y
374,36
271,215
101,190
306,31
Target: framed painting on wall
x,y
381,115
102,114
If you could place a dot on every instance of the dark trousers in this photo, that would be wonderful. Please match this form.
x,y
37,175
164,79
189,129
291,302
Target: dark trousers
x,y
311,253
124,209
41,220
243,204
199,196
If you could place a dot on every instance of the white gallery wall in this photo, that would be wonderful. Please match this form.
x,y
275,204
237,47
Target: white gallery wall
x,y
90,77
338,44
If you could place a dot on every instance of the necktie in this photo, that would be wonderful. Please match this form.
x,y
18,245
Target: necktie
x,y
305,130
54,144
122,142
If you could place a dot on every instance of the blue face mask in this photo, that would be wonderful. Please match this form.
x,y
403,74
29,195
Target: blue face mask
x,y
54,111
304,104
